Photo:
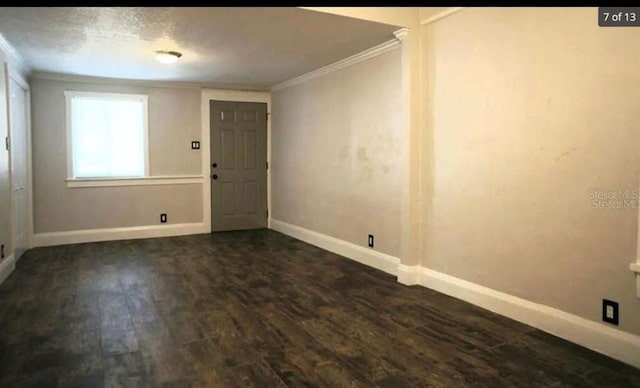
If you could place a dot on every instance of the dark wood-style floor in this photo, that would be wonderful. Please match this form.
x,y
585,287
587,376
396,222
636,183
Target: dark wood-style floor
x,y
260,309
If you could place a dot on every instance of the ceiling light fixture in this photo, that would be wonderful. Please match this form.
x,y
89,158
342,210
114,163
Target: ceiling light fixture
x,y
168,56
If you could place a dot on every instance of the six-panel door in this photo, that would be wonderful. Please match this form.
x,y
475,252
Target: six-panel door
x,y
238,171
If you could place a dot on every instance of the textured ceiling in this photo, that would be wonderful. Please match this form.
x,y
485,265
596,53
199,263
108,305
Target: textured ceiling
x,y
251,47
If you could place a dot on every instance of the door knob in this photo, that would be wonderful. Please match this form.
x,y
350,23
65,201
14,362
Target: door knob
x,y
214,165
214,176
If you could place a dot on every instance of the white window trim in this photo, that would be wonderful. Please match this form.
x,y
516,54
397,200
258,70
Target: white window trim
x,y
69,94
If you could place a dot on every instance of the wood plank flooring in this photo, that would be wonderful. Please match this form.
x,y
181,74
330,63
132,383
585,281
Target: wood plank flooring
x,y
260,309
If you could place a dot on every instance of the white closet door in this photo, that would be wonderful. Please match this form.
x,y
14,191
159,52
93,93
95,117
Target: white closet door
x,y
19,166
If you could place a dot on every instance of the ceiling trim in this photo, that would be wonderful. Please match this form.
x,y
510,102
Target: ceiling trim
x,y
14,55
440,15
137,82
401,33
341,64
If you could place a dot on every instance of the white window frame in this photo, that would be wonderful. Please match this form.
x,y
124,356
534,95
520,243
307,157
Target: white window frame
x,y
105,181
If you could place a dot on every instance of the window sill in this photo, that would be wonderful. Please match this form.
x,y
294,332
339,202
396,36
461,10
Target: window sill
x,y
145,181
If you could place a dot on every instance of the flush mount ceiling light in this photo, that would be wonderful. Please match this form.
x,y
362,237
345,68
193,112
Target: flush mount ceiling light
x,y
167,56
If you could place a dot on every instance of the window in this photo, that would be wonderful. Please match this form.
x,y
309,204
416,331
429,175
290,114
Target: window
x,y
107,135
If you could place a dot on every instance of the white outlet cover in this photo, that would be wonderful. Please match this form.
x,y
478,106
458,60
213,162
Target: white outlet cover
x,y
610,312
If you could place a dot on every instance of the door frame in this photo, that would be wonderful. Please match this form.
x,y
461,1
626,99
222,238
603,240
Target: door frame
x,y
12,73
205,148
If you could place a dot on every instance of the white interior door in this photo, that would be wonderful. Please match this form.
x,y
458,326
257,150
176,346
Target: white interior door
x,y
19,166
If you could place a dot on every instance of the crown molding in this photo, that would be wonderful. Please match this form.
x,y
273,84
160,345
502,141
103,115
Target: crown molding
x,y
401,33
13,55
142,83
441,15
341,64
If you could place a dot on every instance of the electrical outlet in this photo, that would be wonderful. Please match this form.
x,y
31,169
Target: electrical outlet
x,y
370,241
195,145
610,311
163,217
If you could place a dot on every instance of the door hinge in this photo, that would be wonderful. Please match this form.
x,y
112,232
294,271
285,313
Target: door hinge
x,y
268,114
267,165
6,142
267,213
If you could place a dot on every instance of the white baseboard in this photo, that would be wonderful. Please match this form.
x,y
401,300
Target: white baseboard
x,y
604,339
409,275
110,234
7,265
367,256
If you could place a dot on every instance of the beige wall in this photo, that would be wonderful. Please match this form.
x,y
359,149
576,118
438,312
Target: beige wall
x,y
531,110
174,120
336,160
